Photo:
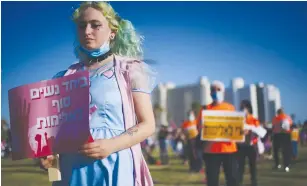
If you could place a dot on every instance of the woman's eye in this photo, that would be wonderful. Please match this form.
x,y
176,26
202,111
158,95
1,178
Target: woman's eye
x,y
95,26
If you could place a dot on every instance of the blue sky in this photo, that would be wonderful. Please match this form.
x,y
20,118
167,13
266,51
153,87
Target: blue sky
x,y
259,41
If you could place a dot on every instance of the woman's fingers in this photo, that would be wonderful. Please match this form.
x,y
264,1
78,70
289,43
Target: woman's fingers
x,y
47,162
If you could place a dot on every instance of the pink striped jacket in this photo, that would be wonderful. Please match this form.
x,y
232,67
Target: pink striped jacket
x,y
124,67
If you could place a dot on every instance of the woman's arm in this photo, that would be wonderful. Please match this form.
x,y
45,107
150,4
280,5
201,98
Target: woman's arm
x,y
102,148
141,131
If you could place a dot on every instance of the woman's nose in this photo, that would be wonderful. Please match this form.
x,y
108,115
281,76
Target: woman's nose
x,y
88,29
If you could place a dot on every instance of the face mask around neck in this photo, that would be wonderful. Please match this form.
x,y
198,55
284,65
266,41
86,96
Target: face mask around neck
x,y
97,52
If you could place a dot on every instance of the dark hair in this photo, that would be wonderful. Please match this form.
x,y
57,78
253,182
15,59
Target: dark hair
x,y
279,111
246,104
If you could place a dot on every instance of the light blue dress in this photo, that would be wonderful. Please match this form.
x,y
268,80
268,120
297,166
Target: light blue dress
x,y
106,122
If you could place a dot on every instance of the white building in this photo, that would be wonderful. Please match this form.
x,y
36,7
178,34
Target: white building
x,y
175,102
238,91
269,101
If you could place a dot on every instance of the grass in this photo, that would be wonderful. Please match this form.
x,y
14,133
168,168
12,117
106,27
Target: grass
x,y
26,173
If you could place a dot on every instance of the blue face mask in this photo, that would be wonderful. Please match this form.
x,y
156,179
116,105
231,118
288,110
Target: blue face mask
x,y
218,96
96,52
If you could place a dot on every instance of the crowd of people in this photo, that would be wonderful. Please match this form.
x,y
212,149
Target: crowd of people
x,y
6,144
282,134
208,156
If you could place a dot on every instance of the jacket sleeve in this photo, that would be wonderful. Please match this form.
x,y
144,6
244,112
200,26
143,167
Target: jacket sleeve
x,y
143,77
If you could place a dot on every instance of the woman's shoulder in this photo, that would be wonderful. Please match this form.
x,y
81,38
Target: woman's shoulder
x,y
125,62
256,121
142,75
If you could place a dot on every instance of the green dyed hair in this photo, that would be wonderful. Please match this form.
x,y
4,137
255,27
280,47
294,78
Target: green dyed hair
x,y
127,41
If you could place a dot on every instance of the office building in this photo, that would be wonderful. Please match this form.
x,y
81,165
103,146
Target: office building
x,y
174,102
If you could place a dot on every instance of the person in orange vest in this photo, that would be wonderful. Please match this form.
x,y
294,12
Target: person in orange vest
x,y
194,154
282,139
216,154
249,147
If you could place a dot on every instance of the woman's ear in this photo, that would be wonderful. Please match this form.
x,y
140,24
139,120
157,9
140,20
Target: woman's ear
x,y
112,36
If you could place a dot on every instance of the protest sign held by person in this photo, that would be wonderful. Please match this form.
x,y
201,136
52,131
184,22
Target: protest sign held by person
x,y
49,117
218,141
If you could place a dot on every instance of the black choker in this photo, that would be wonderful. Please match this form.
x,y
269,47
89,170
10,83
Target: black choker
x,y
98,59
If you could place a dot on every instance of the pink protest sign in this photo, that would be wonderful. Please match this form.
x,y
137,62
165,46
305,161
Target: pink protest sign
x,y
50,117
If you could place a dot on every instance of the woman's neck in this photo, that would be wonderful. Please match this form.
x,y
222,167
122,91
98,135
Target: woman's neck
x,y
99,63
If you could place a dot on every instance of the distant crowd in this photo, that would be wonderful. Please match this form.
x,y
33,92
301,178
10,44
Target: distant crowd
x,y
282,135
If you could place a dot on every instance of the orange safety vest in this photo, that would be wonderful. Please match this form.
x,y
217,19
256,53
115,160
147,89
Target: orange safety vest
x,y
218,147
277,122
190,127
250,120
295,135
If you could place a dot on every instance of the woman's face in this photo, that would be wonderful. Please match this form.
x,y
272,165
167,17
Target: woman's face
x,y
93,29
243,109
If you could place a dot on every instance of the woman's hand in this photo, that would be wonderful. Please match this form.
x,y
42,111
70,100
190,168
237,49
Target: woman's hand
x,y
47,162
98,149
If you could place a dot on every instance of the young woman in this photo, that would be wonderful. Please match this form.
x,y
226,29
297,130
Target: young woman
x,y
120,86
249,147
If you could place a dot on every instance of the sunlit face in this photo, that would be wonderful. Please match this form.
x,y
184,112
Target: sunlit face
x,y
93,29
243,109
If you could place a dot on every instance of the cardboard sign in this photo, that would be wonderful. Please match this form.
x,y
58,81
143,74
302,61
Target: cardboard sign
x,y
295,135
50,117
192,131
223,126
